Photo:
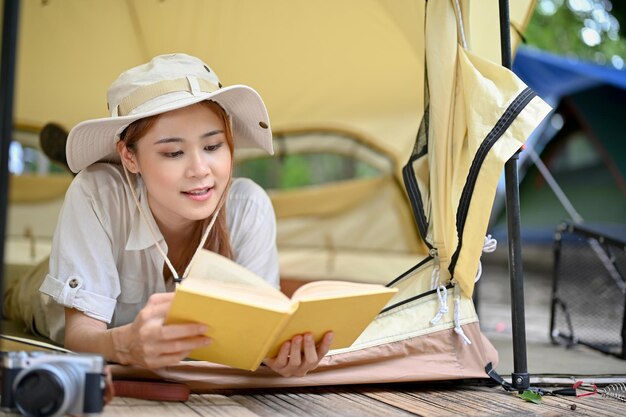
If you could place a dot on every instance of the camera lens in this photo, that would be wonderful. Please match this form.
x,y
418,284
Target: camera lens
x,y
48,389
39,393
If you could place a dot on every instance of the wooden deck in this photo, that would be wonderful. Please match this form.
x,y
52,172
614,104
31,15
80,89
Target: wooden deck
x,y
432,399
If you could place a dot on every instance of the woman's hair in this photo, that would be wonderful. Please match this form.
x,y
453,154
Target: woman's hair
x,y
218,240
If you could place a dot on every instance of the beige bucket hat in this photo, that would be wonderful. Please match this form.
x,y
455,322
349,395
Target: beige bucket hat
x,y
167,82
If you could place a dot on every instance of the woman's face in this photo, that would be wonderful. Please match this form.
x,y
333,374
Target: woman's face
x,y
185,163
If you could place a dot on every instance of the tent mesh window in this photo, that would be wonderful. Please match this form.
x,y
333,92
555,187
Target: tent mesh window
x,y
589,288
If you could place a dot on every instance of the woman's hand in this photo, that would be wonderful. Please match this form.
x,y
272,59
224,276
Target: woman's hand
x,y
109,389
149,343
299,355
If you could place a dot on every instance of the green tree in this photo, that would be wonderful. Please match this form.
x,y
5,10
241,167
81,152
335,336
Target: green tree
x,y
588,29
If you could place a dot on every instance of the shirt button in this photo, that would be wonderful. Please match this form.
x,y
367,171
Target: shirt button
x,y
73,283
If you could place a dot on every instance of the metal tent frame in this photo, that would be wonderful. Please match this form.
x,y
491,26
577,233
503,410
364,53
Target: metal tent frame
x,y
10,18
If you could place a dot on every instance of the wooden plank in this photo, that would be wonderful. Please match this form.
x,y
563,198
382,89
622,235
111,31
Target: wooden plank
x,y
356,396
485,401
314,402
134,407
217,405
197,405
427,400
275,405
204,405
435,403
592,405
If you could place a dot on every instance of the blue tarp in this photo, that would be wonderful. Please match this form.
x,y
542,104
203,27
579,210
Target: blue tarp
x,y
592,97
553,76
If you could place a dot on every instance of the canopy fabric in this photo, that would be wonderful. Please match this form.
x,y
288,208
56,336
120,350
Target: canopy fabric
x,y
554,77
470,101
353,64
574,88
583,84
479,115
364,66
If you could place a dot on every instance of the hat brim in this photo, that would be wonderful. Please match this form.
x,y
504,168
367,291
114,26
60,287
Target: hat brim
x,y
95,140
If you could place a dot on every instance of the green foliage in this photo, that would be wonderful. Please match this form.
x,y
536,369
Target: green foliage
x,y
560,26
303,170
296,172
531,396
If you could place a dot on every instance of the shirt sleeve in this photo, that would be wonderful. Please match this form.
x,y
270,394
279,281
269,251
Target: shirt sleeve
x,y
83,273
252,228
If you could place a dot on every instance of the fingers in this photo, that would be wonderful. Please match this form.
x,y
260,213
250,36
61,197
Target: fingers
x,y
187,344
295,353
161,298
156,353
282,359
181,345
162,361
173,338
156,310
109,390
310,353
153,344
300,355
324,346
179,331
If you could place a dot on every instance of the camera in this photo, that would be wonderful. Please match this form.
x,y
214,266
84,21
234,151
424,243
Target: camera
x,y
52,384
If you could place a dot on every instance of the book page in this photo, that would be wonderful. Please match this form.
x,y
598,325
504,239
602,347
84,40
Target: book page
x,y
330,289
212,266
240,293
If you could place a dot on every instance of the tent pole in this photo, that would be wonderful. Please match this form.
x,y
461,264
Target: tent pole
x,y
7,86
520,378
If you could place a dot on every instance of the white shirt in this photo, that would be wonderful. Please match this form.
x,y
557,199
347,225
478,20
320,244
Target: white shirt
x,y
104,260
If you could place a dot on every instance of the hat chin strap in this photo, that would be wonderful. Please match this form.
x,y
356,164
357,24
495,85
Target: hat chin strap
x,y
205,235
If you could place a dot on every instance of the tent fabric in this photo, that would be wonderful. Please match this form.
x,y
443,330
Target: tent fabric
x,y
479,116
583,85
363,72
21,188
356,228
354,64
429,330
574,87
358,69
350,230
434,357
554,77
35,201
401,345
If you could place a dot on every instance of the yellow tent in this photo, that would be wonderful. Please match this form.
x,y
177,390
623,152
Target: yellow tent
x,y
358,69
349,69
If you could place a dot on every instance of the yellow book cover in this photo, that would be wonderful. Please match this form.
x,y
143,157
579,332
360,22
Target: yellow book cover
x,y
249,320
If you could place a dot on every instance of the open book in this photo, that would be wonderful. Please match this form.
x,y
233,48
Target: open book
x,y
249,319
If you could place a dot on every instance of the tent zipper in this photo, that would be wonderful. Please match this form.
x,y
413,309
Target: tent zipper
x,y
492,137
413,268
408,300
415,198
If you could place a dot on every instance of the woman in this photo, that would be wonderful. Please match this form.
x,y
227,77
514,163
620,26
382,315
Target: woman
x,y
128,232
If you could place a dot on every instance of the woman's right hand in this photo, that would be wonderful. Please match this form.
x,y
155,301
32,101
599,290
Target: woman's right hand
x,y
149,343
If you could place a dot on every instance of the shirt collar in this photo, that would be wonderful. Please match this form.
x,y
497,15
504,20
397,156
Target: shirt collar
x,y
140,237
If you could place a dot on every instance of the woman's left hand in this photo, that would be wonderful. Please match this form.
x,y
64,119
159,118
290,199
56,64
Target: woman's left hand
x,y
299,355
